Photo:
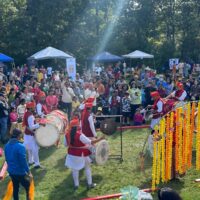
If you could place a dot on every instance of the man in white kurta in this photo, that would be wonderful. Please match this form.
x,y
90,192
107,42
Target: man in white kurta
x,y
29,139
78,153
41,108
157,109
157,113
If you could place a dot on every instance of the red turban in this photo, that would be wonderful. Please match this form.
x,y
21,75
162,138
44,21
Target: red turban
x,y
179,85
155,94
74,122
42,94
30,105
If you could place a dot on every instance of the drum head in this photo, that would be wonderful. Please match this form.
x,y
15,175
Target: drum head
x,y
56,121
101,152
180,104
60,114
108,126
47,135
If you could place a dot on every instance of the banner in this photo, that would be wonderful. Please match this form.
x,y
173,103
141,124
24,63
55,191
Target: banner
x,y
71,67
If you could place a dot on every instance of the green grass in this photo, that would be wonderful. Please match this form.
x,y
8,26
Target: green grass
x,y
55,182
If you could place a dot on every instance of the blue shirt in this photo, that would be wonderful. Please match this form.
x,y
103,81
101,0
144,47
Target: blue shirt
x,y
15,154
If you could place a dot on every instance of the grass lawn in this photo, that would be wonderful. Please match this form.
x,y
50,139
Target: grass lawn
x,y
55,181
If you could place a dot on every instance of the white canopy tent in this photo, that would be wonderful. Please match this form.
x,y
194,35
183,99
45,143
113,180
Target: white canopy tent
x,y
50,53
138,54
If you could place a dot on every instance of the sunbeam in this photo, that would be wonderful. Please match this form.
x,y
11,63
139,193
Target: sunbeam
x,y
109,31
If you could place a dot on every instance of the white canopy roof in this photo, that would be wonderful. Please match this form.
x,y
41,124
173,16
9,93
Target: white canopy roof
x,y
138,54
49,53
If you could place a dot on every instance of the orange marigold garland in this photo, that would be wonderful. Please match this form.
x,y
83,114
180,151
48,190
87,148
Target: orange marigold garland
x,y
198,139
162,132
180,141
167,176
184,142
176,141
170,142
188,134
191,135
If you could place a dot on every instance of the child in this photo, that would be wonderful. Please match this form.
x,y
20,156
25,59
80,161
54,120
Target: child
x,y
138,118
98,119
13,119
13,115
75,104
126,109
21,109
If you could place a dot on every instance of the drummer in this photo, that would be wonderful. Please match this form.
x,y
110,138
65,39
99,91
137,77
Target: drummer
x,y
157,108
41,107
180,94
29,139
87,119
78,153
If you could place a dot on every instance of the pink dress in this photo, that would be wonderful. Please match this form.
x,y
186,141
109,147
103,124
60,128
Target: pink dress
x,y
13,117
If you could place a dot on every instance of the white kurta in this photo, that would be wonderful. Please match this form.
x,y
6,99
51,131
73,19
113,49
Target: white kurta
x,y
159,110
182,97
39,110
78,162
30,142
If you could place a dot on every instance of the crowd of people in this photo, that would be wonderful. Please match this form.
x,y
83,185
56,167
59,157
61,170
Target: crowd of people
x,y
30,93
117,90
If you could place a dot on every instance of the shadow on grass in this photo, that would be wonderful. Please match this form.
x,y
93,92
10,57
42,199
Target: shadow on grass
x,y
46,152
67,188
60,164
38,175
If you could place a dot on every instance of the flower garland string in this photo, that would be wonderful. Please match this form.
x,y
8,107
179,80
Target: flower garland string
x,y
162,132
176,141
180,144
198,139
170,143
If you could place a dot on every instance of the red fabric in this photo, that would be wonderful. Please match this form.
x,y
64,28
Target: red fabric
x,y
179,85
85,124
30,105
44,109
41,94
168,106
25,123
178,93
155,94
76,149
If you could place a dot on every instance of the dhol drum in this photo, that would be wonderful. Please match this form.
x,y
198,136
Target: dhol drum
x,y
100,152
49,134
62,116
180,104
108,126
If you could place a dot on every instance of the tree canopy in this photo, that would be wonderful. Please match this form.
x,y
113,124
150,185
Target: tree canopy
x,y
165,28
